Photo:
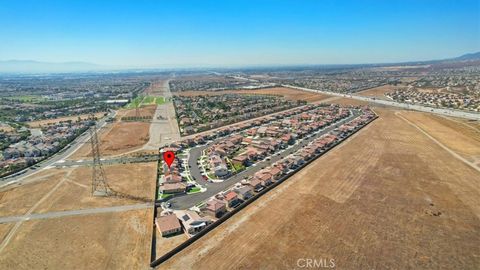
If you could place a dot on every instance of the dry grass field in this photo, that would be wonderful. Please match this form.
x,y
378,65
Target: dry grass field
x,y
96,241
288,93
379,92
388,198
117,139
104,241
72,188
148,111
461,138
40,123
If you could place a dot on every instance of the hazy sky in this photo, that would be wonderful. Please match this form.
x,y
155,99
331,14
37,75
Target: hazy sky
x,y
197,33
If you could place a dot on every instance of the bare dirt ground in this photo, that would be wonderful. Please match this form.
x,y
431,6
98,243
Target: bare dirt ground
x,y
36,124
460,138
95,241
165,244
379,92
74,192
148,111
389,198
104,241
288,93
17,200
132,179
4,229
118,138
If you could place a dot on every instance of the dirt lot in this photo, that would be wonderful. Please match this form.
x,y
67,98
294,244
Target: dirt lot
x,y
379,92
389,198
462,139
74,187
17,200
148,110
118,138
36,124
288,93
86,242
104,241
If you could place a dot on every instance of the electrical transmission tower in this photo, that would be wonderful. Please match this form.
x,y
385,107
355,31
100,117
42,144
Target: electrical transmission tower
x,y
137,113
99,181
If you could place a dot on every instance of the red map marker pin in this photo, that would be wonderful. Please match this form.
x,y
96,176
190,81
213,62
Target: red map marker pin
x,y
168,157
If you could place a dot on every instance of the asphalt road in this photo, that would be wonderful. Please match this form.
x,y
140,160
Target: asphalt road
x,y
61,155
195,171
447,112
188,201
106,161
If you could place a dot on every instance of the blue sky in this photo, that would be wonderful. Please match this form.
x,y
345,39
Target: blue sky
x,y
237,33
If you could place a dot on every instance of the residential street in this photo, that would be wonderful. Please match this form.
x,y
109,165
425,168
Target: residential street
x,y
61,155
188,201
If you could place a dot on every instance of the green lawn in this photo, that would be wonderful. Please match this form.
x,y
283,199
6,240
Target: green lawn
x,y
238,167
160,100
27,98
135,103
194,190
164,196
148,100
145,100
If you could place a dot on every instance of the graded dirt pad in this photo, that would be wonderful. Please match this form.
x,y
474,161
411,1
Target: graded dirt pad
x,y
39,123
379,92
118,138
288,93
103,241
388,198
144,111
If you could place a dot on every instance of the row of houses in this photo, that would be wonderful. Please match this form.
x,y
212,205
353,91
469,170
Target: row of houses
x,y
226,201
200,113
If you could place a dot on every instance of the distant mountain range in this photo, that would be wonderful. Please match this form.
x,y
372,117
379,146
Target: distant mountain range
x,y
468,57
30,66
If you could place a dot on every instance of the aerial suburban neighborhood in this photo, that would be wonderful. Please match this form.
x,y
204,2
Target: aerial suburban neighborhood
x,y
200,135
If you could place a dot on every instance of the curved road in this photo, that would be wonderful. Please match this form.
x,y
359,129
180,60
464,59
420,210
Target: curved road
x,y
187,201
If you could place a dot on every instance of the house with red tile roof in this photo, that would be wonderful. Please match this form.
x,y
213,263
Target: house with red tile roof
x,y
231,198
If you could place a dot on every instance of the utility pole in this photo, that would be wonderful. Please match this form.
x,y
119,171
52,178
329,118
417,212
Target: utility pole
x,y
99,181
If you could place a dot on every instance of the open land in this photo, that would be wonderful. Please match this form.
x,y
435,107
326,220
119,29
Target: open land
x,y
71,239
146,111
119,138
400,201
106,241
73,189
288,93
379,92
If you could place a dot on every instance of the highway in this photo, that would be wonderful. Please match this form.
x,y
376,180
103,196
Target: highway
x,y
447,112
59,156
187,201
